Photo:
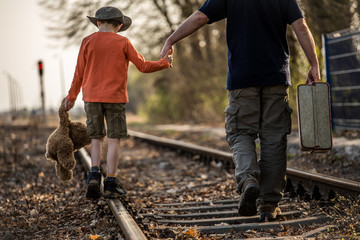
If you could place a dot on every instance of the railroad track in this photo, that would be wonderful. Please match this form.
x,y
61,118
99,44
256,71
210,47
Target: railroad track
x,y
217,218
128,225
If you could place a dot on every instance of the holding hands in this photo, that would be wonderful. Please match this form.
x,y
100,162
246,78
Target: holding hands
x,y
168,55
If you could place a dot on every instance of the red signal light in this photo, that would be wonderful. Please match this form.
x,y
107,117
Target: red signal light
x,y
40,67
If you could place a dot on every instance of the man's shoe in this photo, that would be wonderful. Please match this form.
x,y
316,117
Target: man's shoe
x,y
114,189
247,204
94,181
269,212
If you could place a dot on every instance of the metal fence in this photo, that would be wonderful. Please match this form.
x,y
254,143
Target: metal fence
x,y
342,58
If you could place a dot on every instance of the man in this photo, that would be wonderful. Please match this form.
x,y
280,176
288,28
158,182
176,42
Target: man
x,y
258,80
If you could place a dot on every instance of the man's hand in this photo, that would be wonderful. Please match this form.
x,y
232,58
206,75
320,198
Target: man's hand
x,y
167,50
68,104
313,75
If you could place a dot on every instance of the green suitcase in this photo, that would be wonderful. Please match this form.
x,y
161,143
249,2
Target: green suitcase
x,y
314,117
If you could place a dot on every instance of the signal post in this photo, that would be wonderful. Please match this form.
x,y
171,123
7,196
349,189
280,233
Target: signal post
x,y
41,72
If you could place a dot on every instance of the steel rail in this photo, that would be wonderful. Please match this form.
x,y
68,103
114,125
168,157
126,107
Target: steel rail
x,y
128,225
325,182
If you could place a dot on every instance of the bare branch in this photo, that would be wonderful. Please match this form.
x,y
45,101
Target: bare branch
x,y
164,11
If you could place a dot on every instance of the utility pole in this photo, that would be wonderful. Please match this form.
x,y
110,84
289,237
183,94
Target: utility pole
x,y
11,98
15,97
41,73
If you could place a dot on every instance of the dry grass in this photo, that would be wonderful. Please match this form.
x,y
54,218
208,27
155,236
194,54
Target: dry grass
x,y
345,215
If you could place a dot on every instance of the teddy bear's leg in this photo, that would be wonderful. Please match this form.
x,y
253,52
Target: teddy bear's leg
x,y
65,153
62,173
50,149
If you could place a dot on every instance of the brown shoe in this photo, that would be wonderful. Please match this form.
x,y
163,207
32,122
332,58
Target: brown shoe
x,y
269,211
247,204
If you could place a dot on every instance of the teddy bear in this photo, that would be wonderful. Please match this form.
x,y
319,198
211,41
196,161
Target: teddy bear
x,y
61,144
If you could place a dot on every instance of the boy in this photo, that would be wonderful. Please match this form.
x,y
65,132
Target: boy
x,y
101,72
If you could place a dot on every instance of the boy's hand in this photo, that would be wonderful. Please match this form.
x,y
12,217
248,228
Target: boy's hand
x,y
68,104
168,56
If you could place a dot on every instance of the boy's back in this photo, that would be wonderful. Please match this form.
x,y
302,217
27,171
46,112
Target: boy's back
x,y
102,67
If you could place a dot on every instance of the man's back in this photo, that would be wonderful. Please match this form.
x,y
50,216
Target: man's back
x,y
256,36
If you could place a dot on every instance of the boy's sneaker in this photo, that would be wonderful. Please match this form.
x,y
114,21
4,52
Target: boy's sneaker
x,y
269,212
114,189
94,181
249,195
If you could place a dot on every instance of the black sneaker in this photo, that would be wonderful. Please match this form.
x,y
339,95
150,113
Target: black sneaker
x,y
249,195
114,189
94,181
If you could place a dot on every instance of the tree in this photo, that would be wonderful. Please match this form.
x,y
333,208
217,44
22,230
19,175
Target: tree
x,y
325,16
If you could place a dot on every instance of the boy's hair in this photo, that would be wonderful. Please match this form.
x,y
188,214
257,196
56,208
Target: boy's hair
x,y
112,22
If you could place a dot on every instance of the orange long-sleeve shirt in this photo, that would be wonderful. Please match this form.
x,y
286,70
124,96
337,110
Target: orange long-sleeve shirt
x,y
102,67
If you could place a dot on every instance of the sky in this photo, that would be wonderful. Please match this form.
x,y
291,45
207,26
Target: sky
x,y
23,43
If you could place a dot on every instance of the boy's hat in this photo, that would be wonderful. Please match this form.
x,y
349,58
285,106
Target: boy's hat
x,y
111,13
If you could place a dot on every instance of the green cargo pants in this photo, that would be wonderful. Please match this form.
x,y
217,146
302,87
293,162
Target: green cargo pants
x,y
264,113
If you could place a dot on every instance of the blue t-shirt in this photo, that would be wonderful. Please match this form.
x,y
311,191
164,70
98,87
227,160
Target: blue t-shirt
x,y
258,53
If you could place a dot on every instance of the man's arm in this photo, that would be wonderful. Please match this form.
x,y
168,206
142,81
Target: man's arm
x,y
307,43
189,26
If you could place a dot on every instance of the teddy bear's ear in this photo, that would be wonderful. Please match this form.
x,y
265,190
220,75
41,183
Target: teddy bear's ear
x,y
63,174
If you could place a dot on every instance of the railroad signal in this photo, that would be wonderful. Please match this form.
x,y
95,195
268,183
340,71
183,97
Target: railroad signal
x,y
40,67
41,71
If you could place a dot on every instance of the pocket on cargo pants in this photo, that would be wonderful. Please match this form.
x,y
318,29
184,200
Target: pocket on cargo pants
x,y
241,125
231,119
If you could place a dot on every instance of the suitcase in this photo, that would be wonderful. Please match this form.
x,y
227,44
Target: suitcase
x,y
314,117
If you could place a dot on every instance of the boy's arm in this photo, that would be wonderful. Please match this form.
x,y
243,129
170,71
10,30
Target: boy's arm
x,y
77,80
75,86
147,66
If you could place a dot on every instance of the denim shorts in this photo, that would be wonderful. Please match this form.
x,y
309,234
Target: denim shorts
x,y
113,113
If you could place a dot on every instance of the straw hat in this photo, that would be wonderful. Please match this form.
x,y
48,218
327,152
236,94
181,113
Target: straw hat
x,y
111,13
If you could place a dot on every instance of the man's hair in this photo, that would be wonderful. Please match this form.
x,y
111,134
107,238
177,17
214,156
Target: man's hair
x,y
112,22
